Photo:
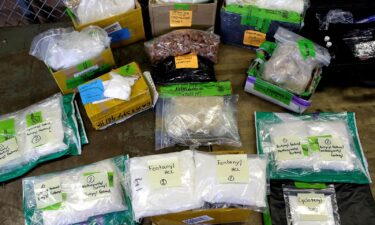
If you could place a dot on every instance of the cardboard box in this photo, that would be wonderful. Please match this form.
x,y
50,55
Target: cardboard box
x,y
69,79
169,16
124,28
108,112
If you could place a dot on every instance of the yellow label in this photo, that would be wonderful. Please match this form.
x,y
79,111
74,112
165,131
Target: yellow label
x,y
180,18
253,38
332,149
232,168
311,207
288,148
164,173
186,61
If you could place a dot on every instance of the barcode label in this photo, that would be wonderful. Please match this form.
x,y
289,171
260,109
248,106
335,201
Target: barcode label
x,y
197,220
113,28
90,69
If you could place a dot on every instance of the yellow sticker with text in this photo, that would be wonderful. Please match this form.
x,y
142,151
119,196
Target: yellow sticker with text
x,y
233,168
180,18
186,61
164,173
253,38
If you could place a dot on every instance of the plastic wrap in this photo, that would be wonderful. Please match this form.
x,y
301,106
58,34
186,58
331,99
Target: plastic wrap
x,y
62,48
181,42
43,131
196,121
88,11
298,6
312,148
293,61
241,189
166,72
335,16
361,43
119,87
79,196
311,206
162,184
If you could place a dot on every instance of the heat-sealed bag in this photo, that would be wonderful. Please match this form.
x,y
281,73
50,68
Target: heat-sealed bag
x,y
62,48
322,147
162,184
43,131
231,180
311,206
298,6
88,11
196,121
91,194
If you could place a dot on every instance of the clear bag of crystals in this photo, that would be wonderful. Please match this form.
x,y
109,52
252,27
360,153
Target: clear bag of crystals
x,y
196,121
91,194
311,206
321,147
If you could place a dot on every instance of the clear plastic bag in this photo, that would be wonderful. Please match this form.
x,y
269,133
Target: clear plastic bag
x,y
196,121
298,6
361,42
88,11
335,16
62,48
312,148
311,206
181,42
244,194
293,61
162,184
43,131
79,195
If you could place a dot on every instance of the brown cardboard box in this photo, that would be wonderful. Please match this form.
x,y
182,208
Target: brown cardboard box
x,y
197,16
69,79
124,29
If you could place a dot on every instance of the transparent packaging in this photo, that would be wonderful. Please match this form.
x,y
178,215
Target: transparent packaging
x,y
43,131
335,16
62,48
311,206
157,194
244,194
88,11
79,196
293,61
322,147
298,6
181,42
196,121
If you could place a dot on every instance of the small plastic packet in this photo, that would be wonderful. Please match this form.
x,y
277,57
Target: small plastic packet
x,y
162,184
298,6
231,180
62,48
88,11
311,206
322,147
91,194
43,131
181,42
196,121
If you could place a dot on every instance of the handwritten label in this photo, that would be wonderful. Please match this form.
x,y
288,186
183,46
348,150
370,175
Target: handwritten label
x,y
232,168
48,193
332,149
186,61
180,18
253,38
164,173
311,207
39,134
96,185
288,148
9,151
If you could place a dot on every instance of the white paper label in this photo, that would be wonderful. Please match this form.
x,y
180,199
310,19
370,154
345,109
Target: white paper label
x,y
164,173
113,28
288,148
311,207
9,150
48,193
83,72
197,220
39,134
332,149
232,168
96,185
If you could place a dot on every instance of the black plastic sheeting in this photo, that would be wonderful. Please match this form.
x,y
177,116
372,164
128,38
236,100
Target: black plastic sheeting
x,y
166,72
356,204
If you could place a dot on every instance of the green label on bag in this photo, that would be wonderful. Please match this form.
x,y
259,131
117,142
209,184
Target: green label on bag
x,y
197,89
273,91
34,118
85,65
181,6
303,185
127,70
7,130
306,48
314,142
81,78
